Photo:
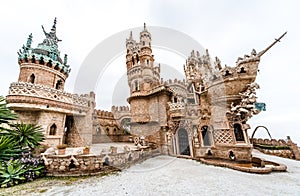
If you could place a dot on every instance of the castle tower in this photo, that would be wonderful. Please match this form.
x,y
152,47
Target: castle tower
x,y
43,65
38,97
141,71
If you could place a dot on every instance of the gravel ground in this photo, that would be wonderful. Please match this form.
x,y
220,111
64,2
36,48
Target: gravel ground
x,y
165,175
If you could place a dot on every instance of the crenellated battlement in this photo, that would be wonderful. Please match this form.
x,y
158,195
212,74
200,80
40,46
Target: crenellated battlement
x,y
171,82
104,114
120,108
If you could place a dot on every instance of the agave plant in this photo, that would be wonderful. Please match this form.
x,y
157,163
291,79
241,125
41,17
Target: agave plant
x,y
12,173
26,135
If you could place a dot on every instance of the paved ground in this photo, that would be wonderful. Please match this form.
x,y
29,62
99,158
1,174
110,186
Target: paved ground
x,y
165,175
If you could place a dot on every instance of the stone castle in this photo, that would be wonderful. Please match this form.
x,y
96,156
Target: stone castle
x,y
203,116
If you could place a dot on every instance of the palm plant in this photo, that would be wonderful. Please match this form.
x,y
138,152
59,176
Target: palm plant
x,y
8,149
5,114
26,135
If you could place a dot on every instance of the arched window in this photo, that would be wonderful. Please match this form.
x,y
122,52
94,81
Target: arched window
x,y
143,43
125,125
227,73
136,85
98,131
206,136
53,129
175,100
243,70
32,78
107,131
58,85
147,61
238,133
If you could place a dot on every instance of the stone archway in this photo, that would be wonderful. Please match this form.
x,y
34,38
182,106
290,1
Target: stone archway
x,y
183,142
258,128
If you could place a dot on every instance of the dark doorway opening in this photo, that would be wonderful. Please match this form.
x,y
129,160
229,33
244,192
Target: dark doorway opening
x,y
183,142
69,130
238,133
206,136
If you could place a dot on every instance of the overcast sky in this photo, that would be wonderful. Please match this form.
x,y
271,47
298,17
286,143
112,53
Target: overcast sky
x,y
229,29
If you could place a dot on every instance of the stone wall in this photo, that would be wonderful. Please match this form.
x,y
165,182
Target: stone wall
x,y
44,75
45,119
243,153
281,148
78,165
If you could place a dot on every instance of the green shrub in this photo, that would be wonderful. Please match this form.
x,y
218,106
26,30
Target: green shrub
x,y
267,147
12,173
6,114
26,135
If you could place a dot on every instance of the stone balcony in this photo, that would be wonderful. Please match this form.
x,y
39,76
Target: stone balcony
x,y
32,96
177,109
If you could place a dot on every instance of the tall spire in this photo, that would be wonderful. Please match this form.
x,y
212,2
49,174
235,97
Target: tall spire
x,y
54,26
145,27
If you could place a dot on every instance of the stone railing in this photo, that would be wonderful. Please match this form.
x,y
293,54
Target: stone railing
x,y
34,90
176,106
79,165
272,142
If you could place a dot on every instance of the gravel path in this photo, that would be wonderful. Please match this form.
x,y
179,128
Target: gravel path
x,y
165,175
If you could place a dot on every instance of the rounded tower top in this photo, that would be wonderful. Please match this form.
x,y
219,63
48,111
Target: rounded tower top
x,y
43,64
46,52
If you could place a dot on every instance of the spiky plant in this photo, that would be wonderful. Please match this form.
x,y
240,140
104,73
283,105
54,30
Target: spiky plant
x,y
26,135
6,114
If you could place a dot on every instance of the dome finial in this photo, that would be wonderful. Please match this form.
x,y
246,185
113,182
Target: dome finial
x,y
54,25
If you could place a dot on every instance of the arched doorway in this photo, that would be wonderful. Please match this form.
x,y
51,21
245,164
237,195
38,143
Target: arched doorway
x,y
205,132
183,142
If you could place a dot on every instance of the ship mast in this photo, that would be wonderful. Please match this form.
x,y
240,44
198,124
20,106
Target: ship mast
x,y
276,40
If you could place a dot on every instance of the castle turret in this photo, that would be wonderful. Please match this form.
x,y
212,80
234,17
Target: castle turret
x,y
43,65
141,71
38,97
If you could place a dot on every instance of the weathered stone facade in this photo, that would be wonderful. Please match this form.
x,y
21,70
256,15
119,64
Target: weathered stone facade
x,y
78,165
39,97
203,116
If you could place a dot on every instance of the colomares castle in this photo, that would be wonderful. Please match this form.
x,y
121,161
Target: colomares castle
x,y
204,115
